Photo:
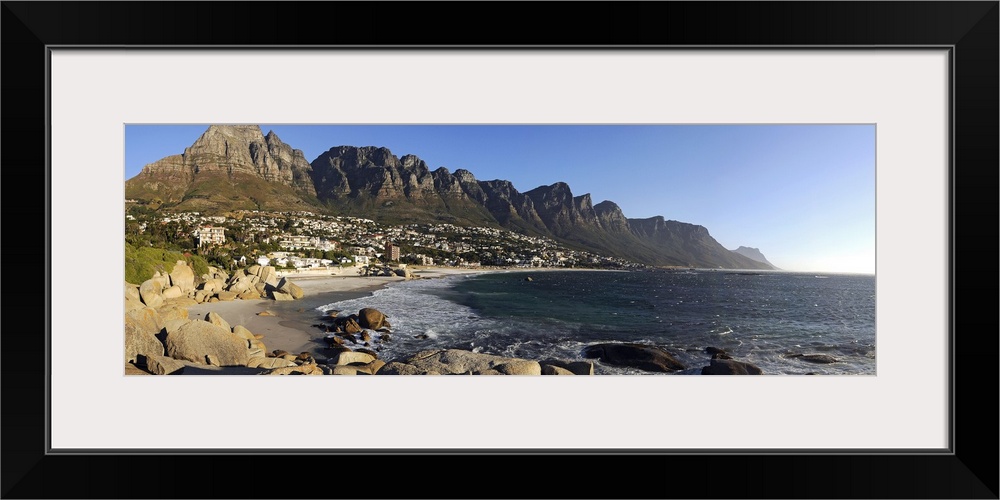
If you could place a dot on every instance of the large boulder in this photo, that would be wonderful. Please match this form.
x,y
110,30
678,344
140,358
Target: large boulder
x,y
403,273
132,291
351,326
350,357
574,367
347,370
525,367
162,365
372,318
172,292
641,356
290,288
269,363
457,361
213,285
215,272
205,343
150,292
730,367
182,302
226,296
242,332
171,311
172,325
182,277
217,320
239,284
141,328
132,304
555,370
280,296
297,370
162,279
131,369
397,368
268,275
372,367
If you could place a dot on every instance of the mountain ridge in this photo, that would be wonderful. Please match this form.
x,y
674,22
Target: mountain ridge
x,y
239,167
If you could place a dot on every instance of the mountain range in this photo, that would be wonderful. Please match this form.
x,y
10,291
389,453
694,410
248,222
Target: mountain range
x,y
233,167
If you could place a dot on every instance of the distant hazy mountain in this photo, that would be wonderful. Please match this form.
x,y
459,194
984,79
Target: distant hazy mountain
x,y
238,167
754,254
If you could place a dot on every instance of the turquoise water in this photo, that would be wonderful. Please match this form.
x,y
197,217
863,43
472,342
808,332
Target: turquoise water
x,y
759,317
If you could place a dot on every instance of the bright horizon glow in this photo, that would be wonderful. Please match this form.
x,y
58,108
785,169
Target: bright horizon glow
x,y
804,195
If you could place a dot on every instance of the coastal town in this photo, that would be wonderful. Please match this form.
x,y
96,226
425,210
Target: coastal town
x,y
305,240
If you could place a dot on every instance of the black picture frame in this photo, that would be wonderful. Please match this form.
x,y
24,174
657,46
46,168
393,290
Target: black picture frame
x,y
969,470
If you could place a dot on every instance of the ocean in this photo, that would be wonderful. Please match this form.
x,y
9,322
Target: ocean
x,y
761,317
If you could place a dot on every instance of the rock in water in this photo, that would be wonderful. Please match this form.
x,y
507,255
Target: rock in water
x,y
351,326
816,358
641,356
731,367
372,318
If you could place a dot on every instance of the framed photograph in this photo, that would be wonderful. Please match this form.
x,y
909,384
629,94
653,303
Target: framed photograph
x,y
918,81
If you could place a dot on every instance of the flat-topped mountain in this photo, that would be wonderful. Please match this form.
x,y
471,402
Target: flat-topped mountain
x,y
238,167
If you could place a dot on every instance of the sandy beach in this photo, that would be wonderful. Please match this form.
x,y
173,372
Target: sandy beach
x,y
300,326
291,327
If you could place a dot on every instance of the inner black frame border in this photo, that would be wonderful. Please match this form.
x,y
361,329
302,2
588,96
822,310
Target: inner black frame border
x,y
32,29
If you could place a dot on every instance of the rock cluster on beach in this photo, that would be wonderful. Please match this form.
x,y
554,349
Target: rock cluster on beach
x,y
401,272
161,339
252,283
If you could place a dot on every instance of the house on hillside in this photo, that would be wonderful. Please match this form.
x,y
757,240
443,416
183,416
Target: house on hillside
x,y
210,235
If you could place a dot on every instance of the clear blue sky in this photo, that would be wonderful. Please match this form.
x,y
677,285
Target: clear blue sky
x,y
803,194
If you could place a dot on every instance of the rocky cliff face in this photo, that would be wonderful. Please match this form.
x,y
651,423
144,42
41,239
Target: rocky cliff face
x,y
611,218
371,181
229,166
237,166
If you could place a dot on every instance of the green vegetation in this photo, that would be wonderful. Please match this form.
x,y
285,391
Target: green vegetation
x,y
142,262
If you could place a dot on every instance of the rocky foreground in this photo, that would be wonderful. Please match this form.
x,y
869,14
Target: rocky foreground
x,y
161,338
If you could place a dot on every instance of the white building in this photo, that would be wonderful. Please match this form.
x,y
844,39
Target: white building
x,y
211,235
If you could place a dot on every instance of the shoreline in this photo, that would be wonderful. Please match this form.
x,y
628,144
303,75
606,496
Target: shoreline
x,y
293,328
301,328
